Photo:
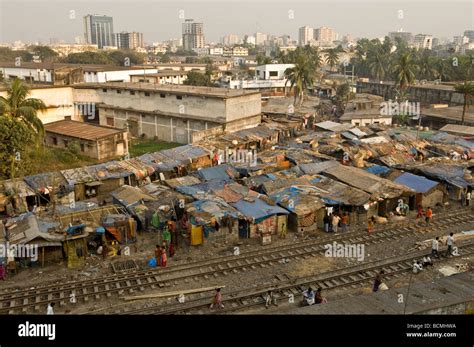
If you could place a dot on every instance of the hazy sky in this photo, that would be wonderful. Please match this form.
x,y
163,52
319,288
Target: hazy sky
x,y
40,20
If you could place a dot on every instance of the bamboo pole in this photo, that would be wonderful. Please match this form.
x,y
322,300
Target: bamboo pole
x,y
174,293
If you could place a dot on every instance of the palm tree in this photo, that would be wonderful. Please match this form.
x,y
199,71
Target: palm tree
x,y
426,63
300,77
17,105
332,57
467,90
378,64
404,71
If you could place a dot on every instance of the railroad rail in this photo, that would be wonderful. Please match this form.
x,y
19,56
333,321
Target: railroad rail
x,y
364,274
35,299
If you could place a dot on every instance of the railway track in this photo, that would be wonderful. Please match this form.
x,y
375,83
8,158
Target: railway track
x,y
35,299
357,275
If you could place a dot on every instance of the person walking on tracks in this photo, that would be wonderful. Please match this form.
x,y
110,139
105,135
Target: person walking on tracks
x,y
283,231
378,281
450,243
429,216
217,300
270,299
435,247
371,224
468,198
420,212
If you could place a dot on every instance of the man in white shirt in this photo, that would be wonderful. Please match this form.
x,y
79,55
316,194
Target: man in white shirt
x,y
417,267
450,243
50,310
468,198
435,248
335,222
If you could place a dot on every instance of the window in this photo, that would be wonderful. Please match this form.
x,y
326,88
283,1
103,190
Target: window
x,y
356,124
65,143
162,95
104,90
179,97
82,147
55,141
147,94
273,73
132,92
119,91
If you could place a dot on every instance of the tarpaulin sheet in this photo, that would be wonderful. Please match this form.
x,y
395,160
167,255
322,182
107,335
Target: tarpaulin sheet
x,y
419,184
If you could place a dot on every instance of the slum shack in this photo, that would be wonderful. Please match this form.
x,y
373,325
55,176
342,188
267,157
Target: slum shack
x,y
385,192
338,196
133,199
30,245
190,157
16,197
168,205
212,220
456,178
86,186
111,175
120,227
428,192
75,245
51,188
260,215
163,167
223,172
304,205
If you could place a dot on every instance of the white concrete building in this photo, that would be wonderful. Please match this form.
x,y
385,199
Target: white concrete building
x,y
423,41
305,35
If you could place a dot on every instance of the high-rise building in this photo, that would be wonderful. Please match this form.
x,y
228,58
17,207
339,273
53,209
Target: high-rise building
x,y
423,41
99,30
470,35
131,40
230,40
193,35
460,40
260,38
405,36
324,34
305,35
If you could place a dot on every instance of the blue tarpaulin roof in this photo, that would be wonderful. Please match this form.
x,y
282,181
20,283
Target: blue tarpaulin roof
x,y
258,209
419,184
377,169
219,172
201,188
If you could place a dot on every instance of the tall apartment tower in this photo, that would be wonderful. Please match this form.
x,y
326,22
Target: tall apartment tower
x,y
324,34
306,34
193,35
99,30
127,40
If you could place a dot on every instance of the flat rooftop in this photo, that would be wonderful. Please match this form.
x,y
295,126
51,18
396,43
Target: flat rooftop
x,y
223,93
85,67
428,85
451,113
81,130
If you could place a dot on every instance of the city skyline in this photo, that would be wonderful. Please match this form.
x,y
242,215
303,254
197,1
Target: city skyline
x,y
160,21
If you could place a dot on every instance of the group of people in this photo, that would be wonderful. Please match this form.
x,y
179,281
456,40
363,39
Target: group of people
x,y
428,214
310,297
449,243
161,256
333,221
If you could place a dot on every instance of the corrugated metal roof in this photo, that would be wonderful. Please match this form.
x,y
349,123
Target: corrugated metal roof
x,y
223,172
81,130
419,184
